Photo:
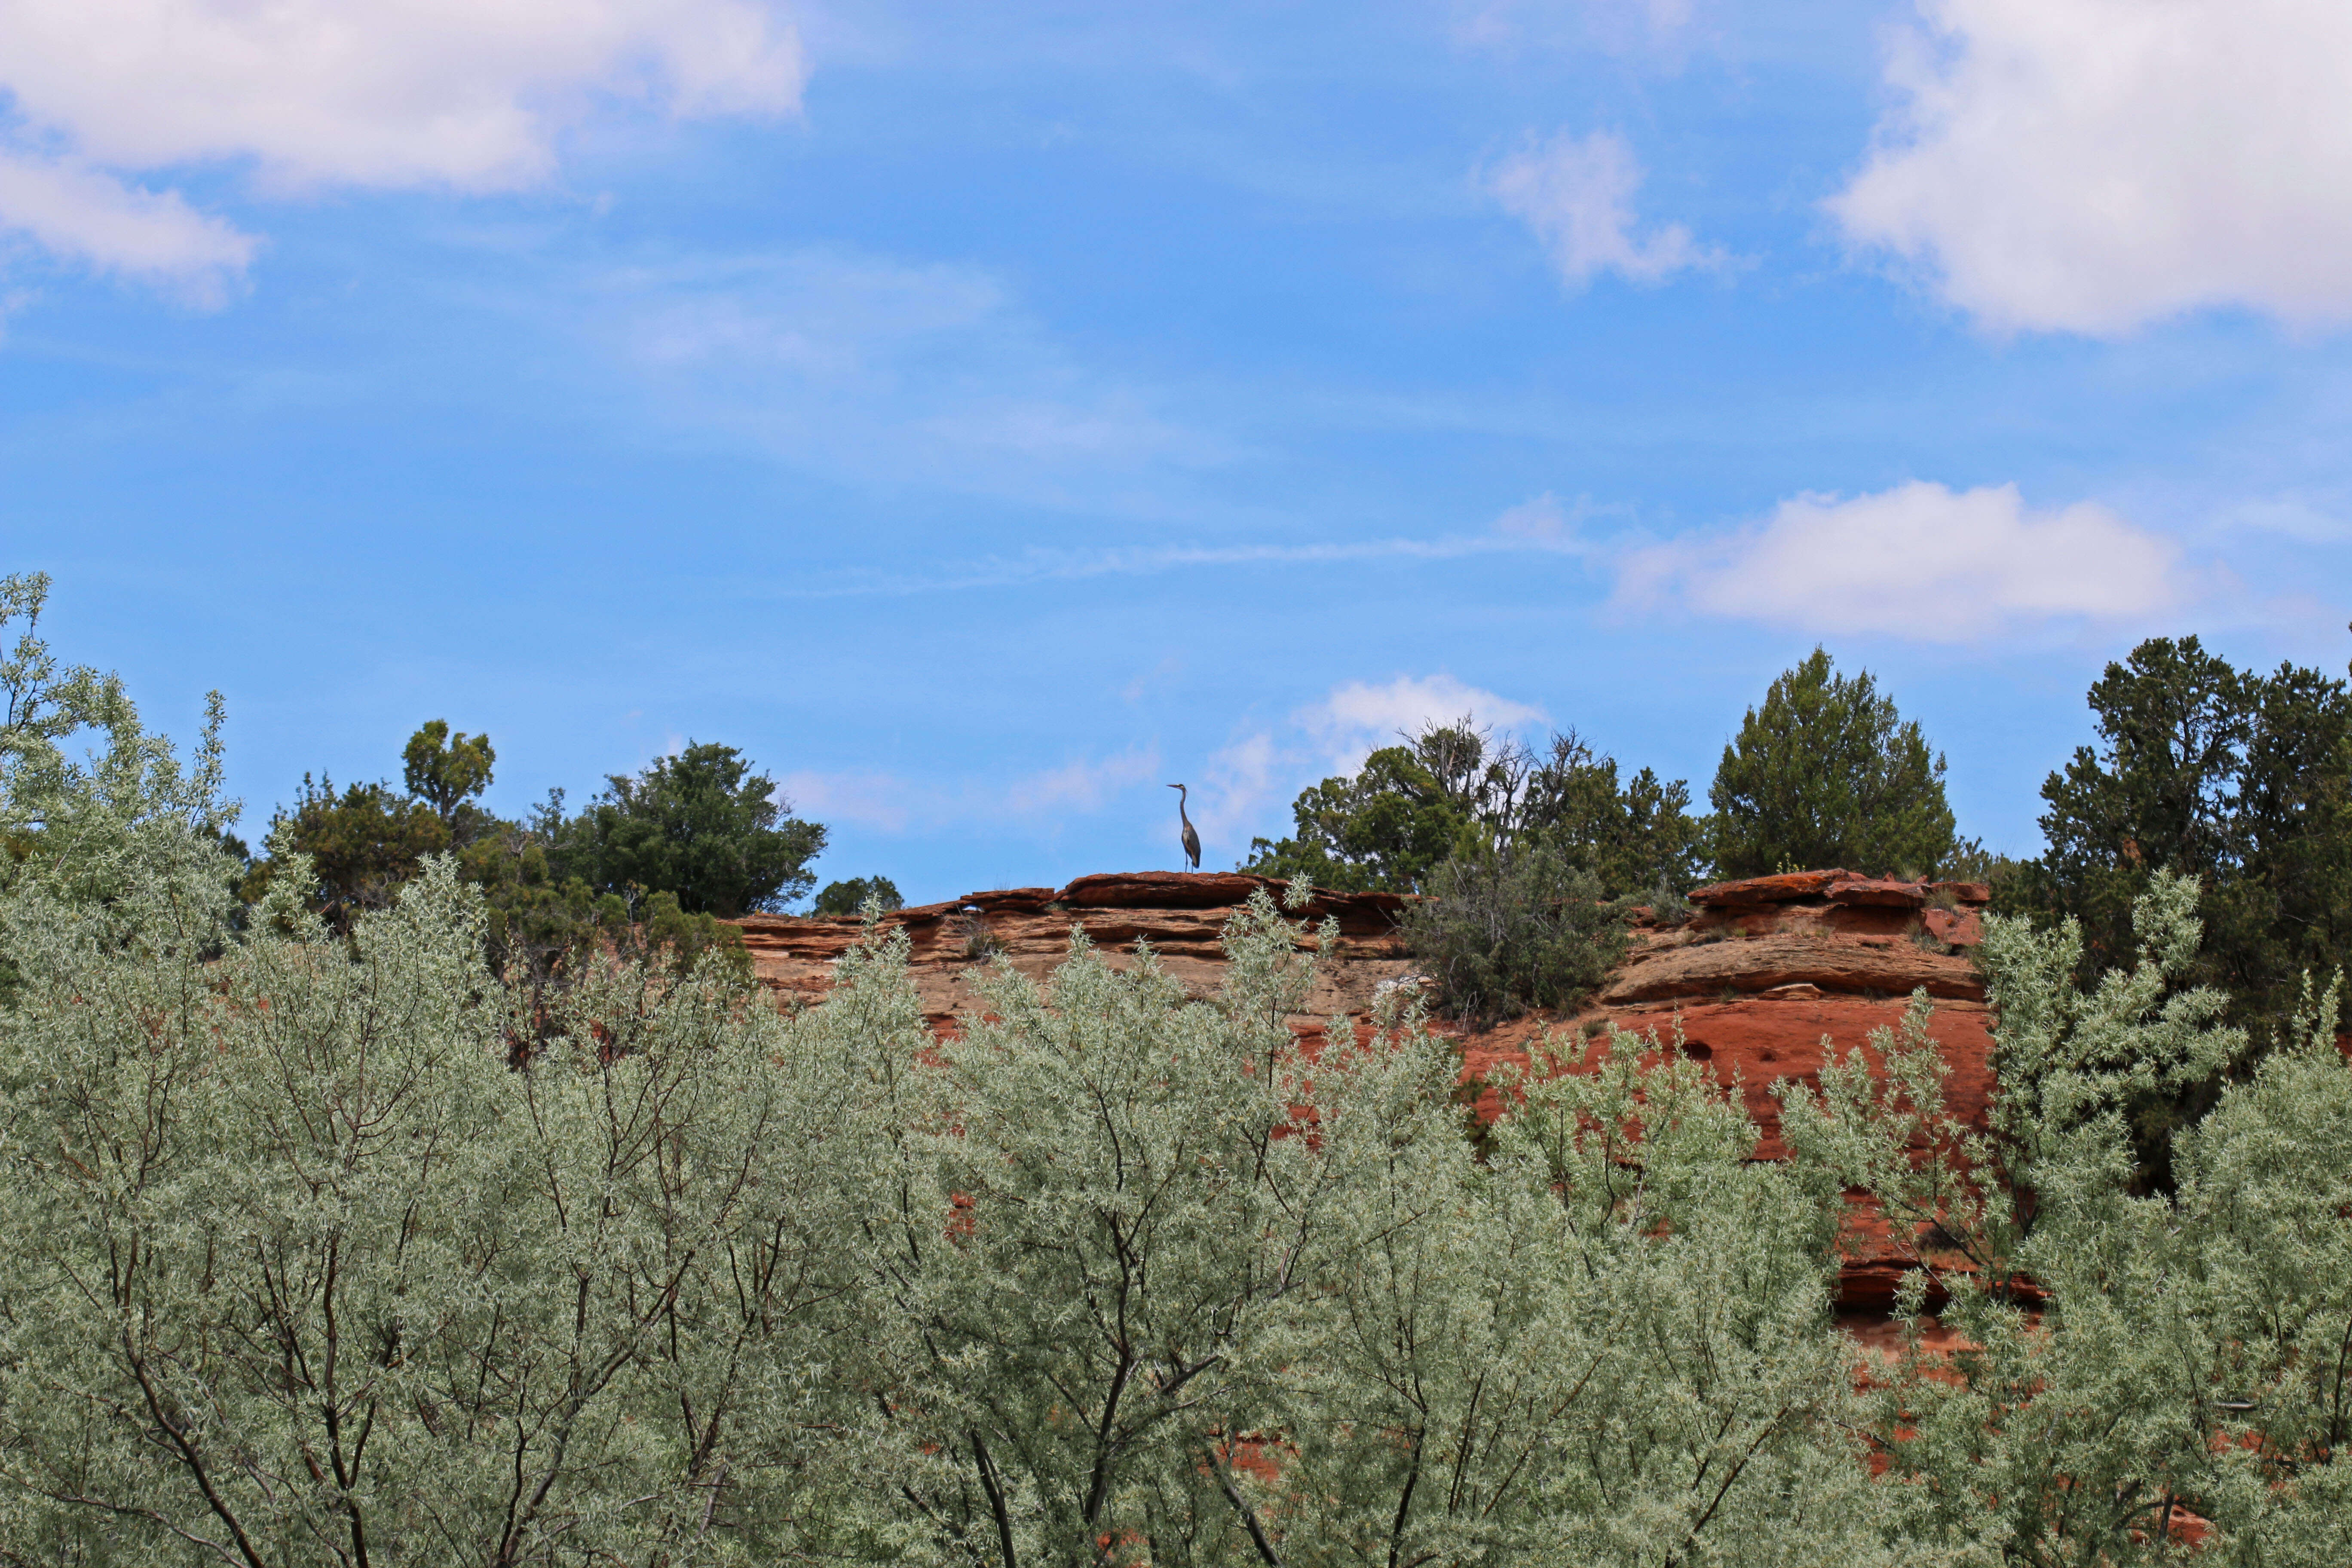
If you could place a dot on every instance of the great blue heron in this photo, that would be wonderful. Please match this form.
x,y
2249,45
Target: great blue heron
x,y
1191,840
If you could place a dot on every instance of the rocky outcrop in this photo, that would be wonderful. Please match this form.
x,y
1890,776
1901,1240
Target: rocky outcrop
x,y
1753,1044
1782,964
1769,976
1179,915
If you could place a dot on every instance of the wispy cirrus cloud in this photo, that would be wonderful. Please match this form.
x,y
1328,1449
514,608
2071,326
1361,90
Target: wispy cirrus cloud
x,y
1510,25
867,798
1540,526
878,369
1086,784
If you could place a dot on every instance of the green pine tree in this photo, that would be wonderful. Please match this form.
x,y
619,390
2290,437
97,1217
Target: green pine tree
x,y
1825,772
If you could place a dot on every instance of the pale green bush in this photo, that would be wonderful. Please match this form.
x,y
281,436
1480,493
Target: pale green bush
x,y
1213,1301
2136,1353
327,1252
1509,930
301,1270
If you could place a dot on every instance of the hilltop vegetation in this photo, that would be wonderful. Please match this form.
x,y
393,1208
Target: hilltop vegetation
x,y
2238,781
660,858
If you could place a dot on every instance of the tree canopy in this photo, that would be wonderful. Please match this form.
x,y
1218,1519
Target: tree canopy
x,y
849,896
362,845
1454,789
702,825
447,773
653,864
2239,780
1825,772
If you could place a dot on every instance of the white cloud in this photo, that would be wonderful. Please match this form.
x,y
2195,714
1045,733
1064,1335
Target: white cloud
x,y
1920,560
2090,165
82,214
472,95
1577,194
1359,716
468,93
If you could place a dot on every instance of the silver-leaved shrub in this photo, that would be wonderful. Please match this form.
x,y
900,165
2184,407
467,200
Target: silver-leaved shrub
x,y
338,1250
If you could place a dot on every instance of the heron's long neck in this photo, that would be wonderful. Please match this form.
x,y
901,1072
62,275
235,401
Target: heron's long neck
x,y
1180,809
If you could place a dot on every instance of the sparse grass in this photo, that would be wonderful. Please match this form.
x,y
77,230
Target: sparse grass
x,y
969,934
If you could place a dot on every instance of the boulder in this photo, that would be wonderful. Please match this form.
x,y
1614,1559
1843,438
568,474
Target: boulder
x,y
1163,891
1884,965
1011,901
1957,928
1889,891
1778,889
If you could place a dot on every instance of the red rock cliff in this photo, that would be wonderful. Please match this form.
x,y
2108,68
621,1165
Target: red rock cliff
x,y
1182,914
1770,973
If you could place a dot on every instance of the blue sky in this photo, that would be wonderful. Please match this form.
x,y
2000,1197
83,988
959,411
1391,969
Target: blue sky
x,y
983,417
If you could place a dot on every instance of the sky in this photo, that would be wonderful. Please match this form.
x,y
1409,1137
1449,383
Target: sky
x,y
986,416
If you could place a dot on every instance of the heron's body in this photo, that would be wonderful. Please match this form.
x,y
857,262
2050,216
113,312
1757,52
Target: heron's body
x,y
1191,840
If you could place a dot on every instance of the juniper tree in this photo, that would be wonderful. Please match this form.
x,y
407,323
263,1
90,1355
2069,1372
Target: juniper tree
x,y
2239,779
1824,772
850,895
703,825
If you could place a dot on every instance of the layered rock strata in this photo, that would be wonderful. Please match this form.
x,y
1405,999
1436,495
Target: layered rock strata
x,y
1763,982
1179,915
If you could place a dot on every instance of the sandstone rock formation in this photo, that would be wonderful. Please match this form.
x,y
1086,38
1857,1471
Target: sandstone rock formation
x,y
1773,973
1181,915
1769,974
